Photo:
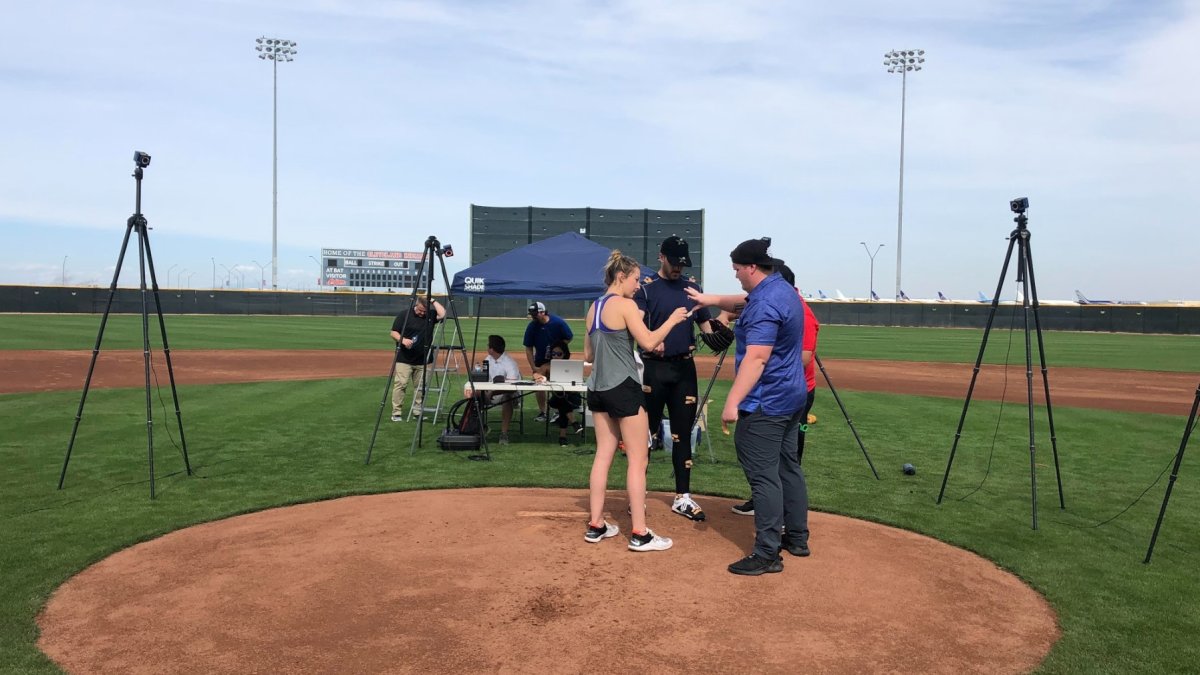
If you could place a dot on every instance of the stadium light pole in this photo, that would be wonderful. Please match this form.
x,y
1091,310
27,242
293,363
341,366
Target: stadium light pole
x,y
214,260
190,275
872,256
228,274
172,267
262,275
903,61
275,50
64,275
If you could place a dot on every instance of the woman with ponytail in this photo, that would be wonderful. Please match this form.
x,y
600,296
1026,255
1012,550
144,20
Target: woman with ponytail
x,y
614,324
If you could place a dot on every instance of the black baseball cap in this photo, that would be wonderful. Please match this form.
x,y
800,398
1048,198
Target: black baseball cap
x,y
754,252
675,250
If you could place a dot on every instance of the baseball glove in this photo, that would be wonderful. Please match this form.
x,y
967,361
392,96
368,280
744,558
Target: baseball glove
x,y
719,339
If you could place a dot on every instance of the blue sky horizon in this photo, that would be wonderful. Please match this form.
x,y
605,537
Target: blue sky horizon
x,y
779,120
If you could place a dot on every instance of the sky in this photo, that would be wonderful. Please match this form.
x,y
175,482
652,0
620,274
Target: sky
x,y
779,119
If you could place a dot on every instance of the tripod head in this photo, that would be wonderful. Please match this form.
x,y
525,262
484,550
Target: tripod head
x,y
1018,207
432,244
141,160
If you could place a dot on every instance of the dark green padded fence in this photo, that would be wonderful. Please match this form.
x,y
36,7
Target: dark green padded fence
x,y
1099,318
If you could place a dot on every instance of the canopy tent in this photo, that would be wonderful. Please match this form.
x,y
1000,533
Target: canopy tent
x,y
565,267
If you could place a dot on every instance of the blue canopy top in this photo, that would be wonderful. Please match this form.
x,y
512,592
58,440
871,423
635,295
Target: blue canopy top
x,y
565,267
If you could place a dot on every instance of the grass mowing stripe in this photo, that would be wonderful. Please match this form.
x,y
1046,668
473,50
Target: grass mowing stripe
x,y
259,445
1176,353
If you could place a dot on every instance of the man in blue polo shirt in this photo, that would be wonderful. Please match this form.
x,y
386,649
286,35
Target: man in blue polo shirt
x,y
766,401
544,329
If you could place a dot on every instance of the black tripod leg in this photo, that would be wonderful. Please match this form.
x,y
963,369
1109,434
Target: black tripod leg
x,y
146,352
387,389
845,414
462,346
1037,322
1187,432
1012,241
392,367
162,327
87,382
1023,278
704,401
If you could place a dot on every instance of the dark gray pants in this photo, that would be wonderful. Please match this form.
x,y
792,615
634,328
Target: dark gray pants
x,y
766,449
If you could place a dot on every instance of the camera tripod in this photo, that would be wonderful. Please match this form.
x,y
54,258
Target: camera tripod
x,y
1187,432
433,249
136,223
1019,239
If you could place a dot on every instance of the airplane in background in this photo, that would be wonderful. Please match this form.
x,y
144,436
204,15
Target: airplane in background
x,y
1081,299
943,298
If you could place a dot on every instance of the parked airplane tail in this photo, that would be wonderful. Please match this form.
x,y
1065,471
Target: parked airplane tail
x,y
942,298
874,296
837,293
904,297
984,298
821,295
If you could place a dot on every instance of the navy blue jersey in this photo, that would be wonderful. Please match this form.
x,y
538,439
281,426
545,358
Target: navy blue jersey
x,y
658,297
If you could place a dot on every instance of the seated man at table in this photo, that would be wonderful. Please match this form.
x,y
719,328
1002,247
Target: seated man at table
x,y
502,368
563,403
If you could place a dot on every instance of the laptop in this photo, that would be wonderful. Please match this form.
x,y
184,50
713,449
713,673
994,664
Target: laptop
x,y
566,371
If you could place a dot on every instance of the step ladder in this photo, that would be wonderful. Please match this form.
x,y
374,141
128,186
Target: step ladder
x,y
437,374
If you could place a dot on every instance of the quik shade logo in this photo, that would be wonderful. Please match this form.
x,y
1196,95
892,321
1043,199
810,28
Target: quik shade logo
x,y
474,284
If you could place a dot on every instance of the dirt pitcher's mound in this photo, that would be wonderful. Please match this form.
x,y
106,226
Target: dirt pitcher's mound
x,y
501,580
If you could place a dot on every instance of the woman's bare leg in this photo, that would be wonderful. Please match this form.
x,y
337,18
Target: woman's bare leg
x,y
635,432
606,447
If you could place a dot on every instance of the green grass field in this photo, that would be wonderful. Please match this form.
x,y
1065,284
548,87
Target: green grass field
x,y
259,445
1178,353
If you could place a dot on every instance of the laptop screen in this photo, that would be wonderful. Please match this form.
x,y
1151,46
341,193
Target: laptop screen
x,y
566,371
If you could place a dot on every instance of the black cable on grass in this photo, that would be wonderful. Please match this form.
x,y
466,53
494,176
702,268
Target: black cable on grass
x,y
166,416
1000,415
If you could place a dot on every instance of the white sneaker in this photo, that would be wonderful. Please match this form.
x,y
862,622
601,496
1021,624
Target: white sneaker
x,y
688,508
397,418
596,534
648,542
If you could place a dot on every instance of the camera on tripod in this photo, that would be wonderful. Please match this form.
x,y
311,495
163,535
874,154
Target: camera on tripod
x,y
1019,204
141,159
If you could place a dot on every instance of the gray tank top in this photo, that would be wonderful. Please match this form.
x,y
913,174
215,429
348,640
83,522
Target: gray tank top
x,y
614,358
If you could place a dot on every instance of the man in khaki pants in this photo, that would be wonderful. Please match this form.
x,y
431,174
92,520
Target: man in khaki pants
x,y
412,332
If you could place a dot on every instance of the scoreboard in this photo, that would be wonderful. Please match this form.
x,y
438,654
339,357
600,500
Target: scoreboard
x,y
361,269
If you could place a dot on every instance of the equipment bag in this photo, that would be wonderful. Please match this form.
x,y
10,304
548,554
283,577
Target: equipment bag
x,y
462,427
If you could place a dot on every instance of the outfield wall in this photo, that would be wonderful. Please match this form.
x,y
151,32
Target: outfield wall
x,y
1098,318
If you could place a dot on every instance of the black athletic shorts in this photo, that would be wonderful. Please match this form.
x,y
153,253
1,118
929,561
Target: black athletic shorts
x,y
624,400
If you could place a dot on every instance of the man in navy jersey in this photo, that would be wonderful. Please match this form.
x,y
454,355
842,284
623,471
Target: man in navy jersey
x,y
670,373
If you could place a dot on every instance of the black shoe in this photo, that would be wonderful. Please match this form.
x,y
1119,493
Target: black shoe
x,y
752,566
562,441
797,547
746,509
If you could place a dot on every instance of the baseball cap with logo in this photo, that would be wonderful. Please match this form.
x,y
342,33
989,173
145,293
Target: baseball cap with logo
x,y
675,250
754,252
536,308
